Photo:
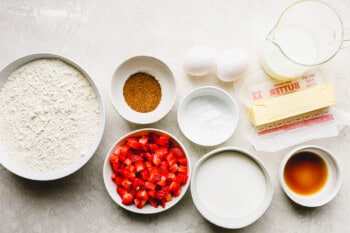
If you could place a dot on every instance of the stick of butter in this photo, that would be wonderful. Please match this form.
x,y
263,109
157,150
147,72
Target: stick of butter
x,y
293,104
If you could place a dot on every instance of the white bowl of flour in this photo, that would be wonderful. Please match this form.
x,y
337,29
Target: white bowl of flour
x,y
51,117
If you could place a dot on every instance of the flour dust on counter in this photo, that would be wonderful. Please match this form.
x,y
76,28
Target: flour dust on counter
x,y
49,115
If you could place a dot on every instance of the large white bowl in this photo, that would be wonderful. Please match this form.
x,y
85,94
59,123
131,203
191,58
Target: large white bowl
x,y
111,186
231,187
7,162
157,69
208,116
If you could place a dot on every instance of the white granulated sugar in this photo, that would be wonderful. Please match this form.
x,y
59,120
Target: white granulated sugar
x,y
49,115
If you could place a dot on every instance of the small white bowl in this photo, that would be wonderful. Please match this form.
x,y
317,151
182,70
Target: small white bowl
x,y
8,163
208,116
330,188
231,187
111,185
162,74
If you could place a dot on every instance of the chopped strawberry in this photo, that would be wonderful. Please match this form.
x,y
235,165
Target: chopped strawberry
x,y
168,197
177,193
152,193
126,184
139,203
182,169
170,156
113,158
144,174
127,199
154,178
156,160
172,162
140,165
153,203
163,140
182,161
135,157
121,151
163,203
134,143
178,152
115,166
129,175
149,164
131,168
160,194
127,161
174,168
142,195
162,181
148,156
143,140
138,184
119,180
148,169
163,170
153,147
121,191
174,186
171,176
182,178
161,152
150,185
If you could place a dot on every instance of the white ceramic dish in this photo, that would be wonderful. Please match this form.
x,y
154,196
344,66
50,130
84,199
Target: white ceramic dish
x,y
329,190
44,176
208,116
111,186
231,188
154,67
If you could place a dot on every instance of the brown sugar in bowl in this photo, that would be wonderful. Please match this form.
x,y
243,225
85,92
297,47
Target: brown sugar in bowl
x,y
142,92
143,89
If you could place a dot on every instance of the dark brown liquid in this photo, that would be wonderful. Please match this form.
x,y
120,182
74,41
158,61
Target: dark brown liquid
x,y
305,173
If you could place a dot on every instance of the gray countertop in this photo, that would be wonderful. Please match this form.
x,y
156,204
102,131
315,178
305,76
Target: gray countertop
x,y
99,35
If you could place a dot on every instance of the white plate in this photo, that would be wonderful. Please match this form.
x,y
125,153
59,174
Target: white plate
x,y
231,188
154,67
52,175
208,116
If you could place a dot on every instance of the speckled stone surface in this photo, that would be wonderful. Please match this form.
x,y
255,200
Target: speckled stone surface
x,y
99,35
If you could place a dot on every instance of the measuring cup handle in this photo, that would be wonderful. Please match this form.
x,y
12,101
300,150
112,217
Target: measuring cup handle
x,y
346,38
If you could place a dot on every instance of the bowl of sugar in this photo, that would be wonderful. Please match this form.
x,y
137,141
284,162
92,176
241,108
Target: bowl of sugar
x,y
208,116
143,89
51,117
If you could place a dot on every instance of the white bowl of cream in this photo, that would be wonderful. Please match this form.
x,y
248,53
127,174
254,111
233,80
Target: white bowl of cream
x,y
231,187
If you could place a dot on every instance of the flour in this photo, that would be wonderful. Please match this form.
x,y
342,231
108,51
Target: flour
x,y
49,115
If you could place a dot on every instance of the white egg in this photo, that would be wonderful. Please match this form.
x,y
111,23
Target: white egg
x,y
199,61
232,64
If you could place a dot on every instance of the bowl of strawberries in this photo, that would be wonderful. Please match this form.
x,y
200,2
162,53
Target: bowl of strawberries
x,y
147,171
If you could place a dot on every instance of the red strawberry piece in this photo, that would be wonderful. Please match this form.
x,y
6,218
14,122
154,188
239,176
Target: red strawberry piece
x,y
127,199
139,203
142,195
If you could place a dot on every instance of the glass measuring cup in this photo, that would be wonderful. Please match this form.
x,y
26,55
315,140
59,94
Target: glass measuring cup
x,y
307,34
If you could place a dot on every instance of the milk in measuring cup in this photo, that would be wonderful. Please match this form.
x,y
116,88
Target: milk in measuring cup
x,y
289,51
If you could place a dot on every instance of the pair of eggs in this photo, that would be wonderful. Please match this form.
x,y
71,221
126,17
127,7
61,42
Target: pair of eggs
x,y
230,65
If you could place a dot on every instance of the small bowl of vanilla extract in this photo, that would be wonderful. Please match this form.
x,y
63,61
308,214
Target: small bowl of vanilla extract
x,y
310,176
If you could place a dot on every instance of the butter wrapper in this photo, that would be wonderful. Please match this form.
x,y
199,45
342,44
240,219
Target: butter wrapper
x,y
280,134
